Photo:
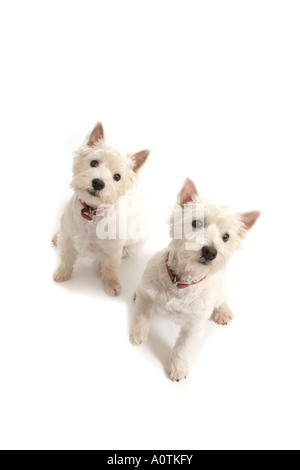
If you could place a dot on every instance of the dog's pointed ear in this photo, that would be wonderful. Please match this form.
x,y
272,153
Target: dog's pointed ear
x,y
139,159
187,192
96,135
249,219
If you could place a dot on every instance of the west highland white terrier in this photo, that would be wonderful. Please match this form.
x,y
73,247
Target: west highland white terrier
x,y
103,179
186,281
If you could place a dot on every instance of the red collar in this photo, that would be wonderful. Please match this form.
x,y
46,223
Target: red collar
x,y
175,279
87,211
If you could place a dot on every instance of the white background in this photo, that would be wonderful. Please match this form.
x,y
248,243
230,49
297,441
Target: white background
x,y
212,87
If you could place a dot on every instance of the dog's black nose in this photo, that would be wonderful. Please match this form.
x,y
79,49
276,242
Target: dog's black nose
x,y
209,253
98,184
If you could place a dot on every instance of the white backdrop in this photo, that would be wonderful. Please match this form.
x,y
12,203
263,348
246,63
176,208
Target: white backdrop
x,y
212,88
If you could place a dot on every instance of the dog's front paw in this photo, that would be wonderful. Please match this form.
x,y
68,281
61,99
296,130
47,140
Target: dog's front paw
x,y
178,371
222,315
137,336
62,274
112,287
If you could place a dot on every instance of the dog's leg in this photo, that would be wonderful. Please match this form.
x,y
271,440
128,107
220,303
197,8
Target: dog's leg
x,y
179,367
68,256
109,267
222,315
141,320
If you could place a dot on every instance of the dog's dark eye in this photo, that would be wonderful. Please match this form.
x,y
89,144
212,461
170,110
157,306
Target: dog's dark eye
x,y
94,164
117,177
226,237
197,224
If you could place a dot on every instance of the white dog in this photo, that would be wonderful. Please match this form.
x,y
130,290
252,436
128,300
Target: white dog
x,y
186,280
102,176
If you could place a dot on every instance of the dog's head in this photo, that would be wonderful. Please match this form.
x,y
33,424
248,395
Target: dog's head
x,y
206,235
102,174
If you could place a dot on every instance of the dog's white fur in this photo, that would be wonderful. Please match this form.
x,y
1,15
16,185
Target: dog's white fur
x,y
78,235
193,306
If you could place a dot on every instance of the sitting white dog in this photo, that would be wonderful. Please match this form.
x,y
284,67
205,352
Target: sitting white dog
x,y
102,177
186,280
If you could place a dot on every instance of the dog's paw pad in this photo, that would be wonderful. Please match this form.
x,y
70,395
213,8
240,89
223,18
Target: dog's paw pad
x,y
112,288
222,316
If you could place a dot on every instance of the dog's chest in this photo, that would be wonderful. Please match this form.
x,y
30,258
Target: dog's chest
x,y
185,309
87,243
188,305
